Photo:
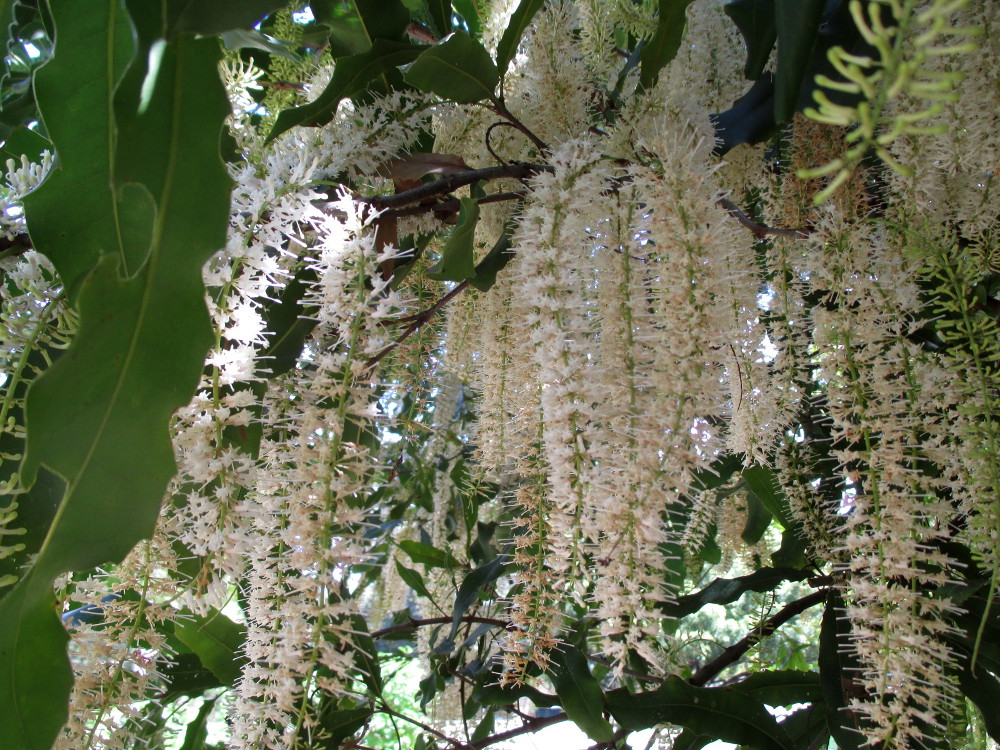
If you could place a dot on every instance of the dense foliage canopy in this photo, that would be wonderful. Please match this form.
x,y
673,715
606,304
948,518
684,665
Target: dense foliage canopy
x,y
425,373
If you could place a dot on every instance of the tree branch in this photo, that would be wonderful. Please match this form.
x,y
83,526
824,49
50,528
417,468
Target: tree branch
x,y
529,726
733,654
762,230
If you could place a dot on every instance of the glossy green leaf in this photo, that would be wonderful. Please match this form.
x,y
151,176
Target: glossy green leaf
x,y
458,256
425,554
440,11
458,68
72,216
467,9
468,592
722,713
215,16
412,579
782,687
350,76
99,417
580,693
666,40
217,641
764,485
797,23
519,21
755,20
727,590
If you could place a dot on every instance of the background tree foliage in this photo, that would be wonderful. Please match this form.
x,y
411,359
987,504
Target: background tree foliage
x,y
137,147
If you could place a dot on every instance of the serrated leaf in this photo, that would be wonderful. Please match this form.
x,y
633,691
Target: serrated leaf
x,y
797,24
350,76
99,417
666,40
755,20
580,693
722,713
458,261
217,641
459,68
74,90
519,21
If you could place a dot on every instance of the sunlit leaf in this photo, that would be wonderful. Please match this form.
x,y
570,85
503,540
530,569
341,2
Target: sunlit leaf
x,y
458,68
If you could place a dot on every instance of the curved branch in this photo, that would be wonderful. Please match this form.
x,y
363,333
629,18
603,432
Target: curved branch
x,y
414,624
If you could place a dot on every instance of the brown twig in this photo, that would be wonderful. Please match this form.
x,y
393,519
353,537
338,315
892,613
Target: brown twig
x,y
735,652
499,108
762,230
489,146
452,205
529,726
418,323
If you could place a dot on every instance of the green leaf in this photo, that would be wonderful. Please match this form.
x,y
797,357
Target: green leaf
x,y
758,519
413,579
350,76
458,261
580,693
495,695
807,726
468,592
72,217
440,11
99,416
782,687
197,729
467,10
755,20
727,590
721,713
763,483
24,141
340,724
666,40
458,68
495,261
381,19
837,671
215,16
286,325
983,689
519,20
237,39
427,555
217,641
797,24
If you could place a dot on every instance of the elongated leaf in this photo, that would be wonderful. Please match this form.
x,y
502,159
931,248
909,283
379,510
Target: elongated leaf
x,y
217,641
71,217
782,687
467,9
764,485
458,68
721,713
755,20
216,16
837,671
381,19
519,21
495,261
440,11
984,690
468,592
580,694
340,724
666,40
412,579
427,555
99,417
458,261
350,76
758,519
197,730
237,39
797,26
727,590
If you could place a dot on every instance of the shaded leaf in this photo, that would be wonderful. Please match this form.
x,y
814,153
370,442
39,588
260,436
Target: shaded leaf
x,y
217,641
797,25
197,729
495,261
758,519
580,693
458,261
983,689
237,39
755,20
495,695
350,76
722,713
468,592
782,687
215,16
519,21
763,483
727,590
412,579
666,40
459,68
837,671
340,723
